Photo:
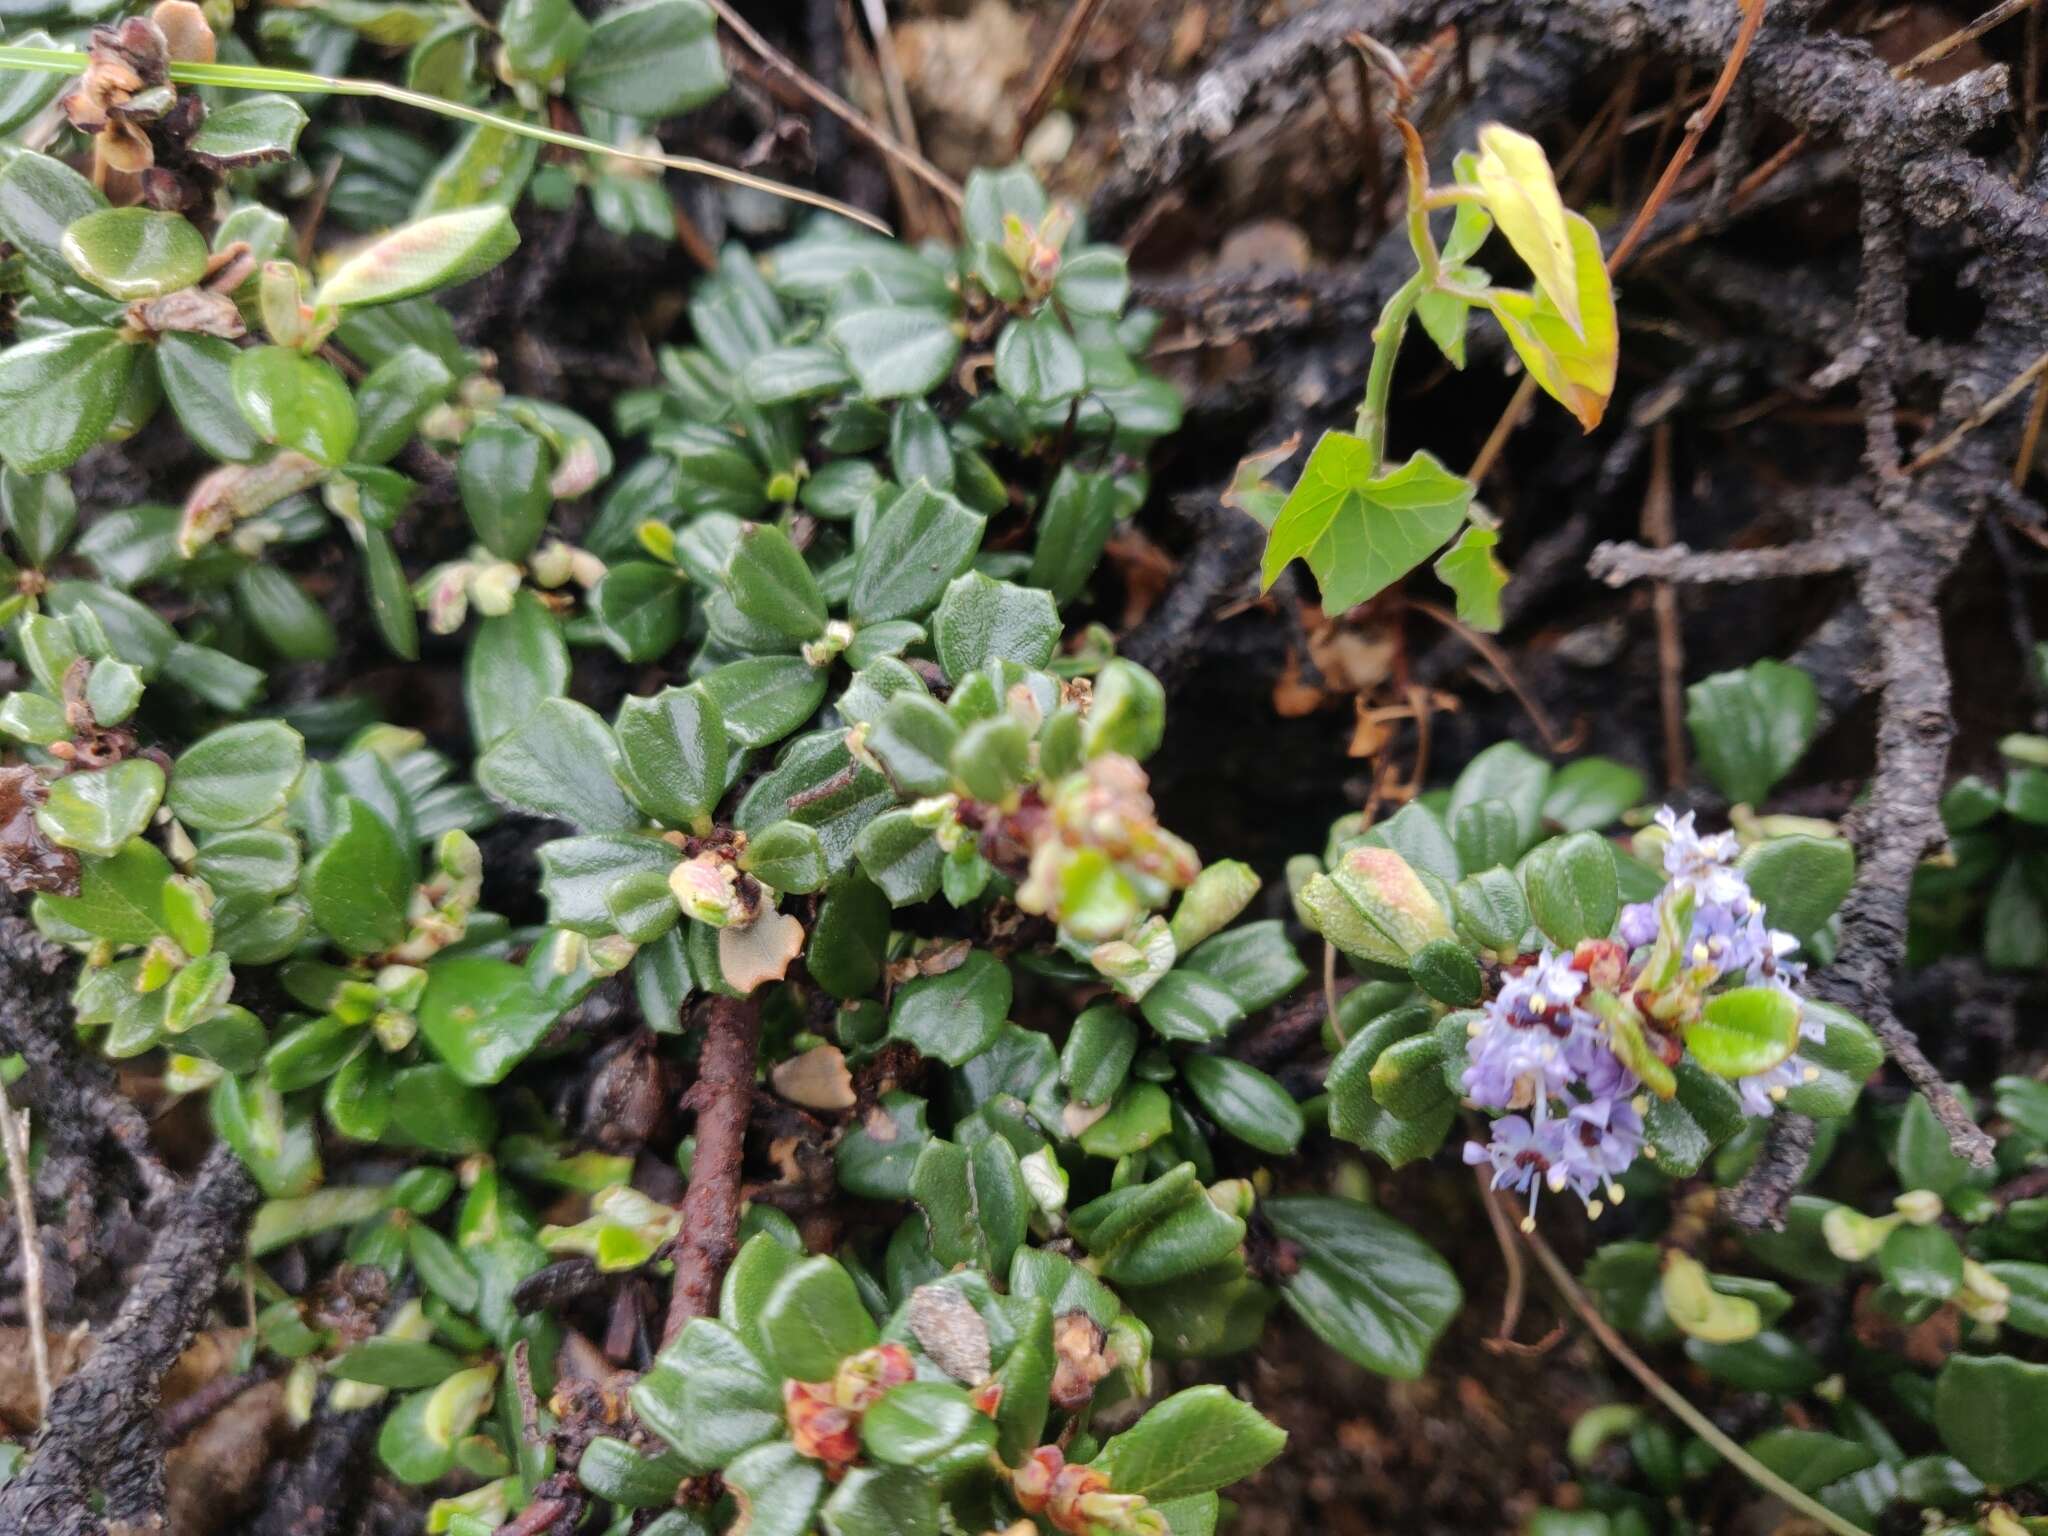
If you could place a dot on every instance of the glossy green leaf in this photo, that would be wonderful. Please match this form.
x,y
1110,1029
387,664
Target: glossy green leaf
x,y
921,1421
782,1489
1749,727
296,402
360,883
274,1138
1195,1442
650,61
514,662
897,351
1471,570
901,857
119,898
1368,1287
901,1501
953,1017
248,130
1573,888
1746,1031
1590,793
975,1202
981,620
1037,361
560,763
1992,1412
98,811
1140,1116
136,253
503,473
236,776
771,584
59,392
639,609
1245,1102
813,1319
1800,880
481,1016
918,544
764,698
709,1397
40,198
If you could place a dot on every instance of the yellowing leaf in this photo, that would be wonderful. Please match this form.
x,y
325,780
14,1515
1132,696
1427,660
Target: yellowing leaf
x,y
1573,364
1522,196
430,253
1470,569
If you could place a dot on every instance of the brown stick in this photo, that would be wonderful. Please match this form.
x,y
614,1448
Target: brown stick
x,y
1984,413
1073,29
1935,53
723,1096
838,106
1660,531
14,1142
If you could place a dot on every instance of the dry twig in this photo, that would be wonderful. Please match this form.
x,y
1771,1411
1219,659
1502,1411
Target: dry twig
x,y
723,1097
903,154
14,1142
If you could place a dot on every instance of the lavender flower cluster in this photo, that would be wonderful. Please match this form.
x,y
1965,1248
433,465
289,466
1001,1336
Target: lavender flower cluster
x,y
1539,1051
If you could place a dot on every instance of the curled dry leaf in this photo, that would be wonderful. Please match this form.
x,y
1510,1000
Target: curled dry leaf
x,y
760,952
29,861
817,1079
949,1329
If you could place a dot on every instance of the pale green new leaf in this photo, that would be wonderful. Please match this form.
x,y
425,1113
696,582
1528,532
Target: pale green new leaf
x,y
1360,532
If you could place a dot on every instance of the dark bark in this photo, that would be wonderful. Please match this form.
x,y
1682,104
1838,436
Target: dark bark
x,y
722,1097
101,1439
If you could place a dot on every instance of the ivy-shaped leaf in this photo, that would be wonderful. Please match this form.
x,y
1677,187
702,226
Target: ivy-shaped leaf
x,y
1361,530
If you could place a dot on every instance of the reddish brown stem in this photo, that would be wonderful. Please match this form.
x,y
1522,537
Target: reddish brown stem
x,y
722,1096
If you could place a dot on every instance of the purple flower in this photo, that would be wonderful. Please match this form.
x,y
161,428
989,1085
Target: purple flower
x,y
1597,1068
1596,1143
1703,863
1761,1091
1520,1055
1521,1155
1638,924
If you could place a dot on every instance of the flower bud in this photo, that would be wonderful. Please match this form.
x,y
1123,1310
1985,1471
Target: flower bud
x,y
299,1388
611,954
576,472
189,1074
401,985
1983,1298
1233,1197
550,565
1212,903
281,300
1921,1207
1700,1311
1135,965
706,888
444,594
1854,1237
394,1028
1046,1182
828,647
585,569
493,588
